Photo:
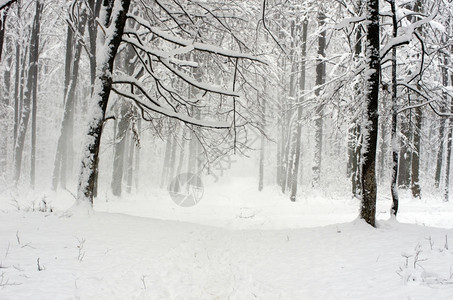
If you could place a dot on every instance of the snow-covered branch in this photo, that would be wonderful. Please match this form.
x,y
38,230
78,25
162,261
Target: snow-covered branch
x,y
172,114
191,45
406,37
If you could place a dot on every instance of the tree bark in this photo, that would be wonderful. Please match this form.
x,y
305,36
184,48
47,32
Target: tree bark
x,y
368,207
395,142
101,93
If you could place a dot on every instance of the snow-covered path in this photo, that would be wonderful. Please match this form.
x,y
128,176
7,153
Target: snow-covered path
x,y
126,257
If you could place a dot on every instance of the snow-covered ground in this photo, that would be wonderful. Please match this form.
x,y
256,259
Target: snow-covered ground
x,y
236,243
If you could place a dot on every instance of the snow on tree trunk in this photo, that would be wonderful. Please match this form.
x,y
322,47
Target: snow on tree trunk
x,y
113,19
370,126
415,159
395,142
299,112
320,80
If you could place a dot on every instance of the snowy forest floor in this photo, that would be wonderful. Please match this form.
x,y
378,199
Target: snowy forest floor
x,y
236,243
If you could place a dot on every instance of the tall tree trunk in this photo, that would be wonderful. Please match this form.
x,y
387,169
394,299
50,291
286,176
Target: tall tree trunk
x,y
416,134
320,80
444,72
4,112
292,126
355,138
449,138
32,81
294,183
90,154
39,8
64,145
395,142
16,87
368,207
448,161
263,143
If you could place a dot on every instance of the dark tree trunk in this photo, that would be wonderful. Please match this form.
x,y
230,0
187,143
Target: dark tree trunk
x,y
101,93
395,143
32,81
415,160
368,207
440,152
416,134
448,161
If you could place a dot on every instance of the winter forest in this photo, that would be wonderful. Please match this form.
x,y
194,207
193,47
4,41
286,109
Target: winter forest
x,y
226,149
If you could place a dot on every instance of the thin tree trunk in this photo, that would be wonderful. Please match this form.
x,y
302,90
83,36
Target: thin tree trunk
x,y
415,159
263,144
181,152
448,162
294,183
137,156
16,87
5,101
172,162
28,94
395,142
320,80
165,167
440,152
130,163
355,138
